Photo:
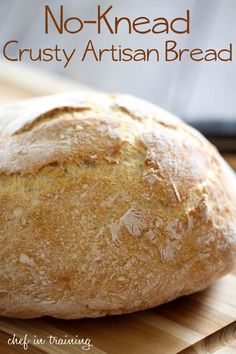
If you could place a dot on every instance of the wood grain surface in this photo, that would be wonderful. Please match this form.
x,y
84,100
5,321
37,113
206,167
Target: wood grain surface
x,y
214,341
201,323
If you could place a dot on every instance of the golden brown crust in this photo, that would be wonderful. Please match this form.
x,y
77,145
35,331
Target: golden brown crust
x,y
108,205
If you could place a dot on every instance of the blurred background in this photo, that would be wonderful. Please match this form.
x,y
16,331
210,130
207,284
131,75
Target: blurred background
x,y
192,90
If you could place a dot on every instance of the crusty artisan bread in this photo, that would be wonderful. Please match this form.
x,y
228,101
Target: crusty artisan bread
x,y
108,205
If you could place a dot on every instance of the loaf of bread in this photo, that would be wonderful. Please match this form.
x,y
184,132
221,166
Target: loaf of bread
x,y
108,205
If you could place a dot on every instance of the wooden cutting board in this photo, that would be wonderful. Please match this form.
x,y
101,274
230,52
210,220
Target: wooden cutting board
x,y
164,330
206,318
